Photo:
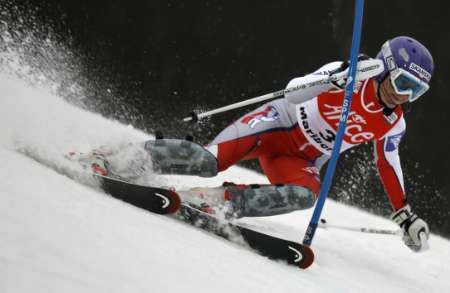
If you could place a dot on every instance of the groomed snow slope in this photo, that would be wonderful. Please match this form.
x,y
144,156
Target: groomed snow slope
x,y
59,236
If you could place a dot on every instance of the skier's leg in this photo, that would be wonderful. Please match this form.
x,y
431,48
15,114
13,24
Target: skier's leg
x,y
235,143
291,170
242,140
295,186
278,145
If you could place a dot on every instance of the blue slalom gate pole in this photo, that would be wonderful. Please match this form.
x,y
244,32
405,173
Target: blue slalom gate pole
x,y
356,40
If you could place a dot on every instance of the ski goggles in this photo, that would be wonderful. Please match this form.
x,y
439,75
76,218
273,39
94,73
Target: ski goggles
x,y
403,82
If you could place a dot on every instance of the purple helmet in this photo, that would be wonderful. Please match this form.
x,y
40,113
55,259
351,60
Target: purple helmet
x,y
410,55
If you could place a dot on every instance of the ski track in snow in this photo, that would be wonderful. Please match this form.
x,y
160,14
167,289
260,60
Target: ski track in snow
x,y
60,236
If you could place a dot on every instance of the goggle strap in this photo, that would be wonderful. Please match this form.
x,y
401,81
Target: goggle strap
x,y
389,57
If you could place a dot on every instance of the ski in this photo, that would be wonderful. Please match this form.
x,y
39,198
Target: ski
x,y
274,248
153,199
167,201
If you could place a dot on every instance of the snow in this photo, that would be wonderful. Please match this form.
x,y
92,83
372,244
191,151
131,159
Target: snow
x,y
60,236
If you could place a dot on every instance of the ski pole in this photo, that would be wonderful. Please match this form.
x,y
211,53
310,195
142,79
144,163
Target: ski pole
x,y
365,70
324,224
356,39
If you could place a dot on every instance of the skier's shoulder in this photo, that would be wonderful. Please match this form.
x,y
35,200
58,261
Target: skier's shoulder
x,y
398,128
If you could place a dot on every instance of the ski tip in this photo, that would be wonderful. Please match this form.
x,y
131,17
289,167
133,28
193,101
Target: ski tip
x,y
299,255
175,203
307,257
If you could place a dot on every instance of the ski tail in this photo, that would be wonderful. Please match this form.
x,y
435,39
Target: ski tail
x,y
156,200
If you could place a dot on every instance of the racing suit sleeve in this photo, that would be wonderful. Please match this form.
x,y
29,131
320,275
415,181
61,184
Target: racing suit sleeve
x,y
388,163
305,94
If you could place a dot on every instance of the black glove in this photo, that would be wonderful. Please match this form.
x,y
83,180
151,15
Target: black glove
x,y
340,83
415,230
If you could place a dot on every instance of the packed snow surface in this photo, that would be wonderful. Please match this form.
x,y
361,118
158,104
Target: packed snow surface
x,y
57,235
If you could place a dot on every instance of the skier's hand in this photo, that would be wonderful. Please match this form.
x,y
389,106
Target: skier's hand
x,y
415,230
342,72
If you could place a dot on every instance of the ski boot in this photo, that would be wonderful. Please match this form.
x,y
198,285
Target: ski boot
x,y
181,157
267,200
240,200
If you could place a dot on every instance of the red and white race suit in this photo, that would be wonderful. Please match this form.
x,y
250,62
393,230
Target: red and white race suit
x,y
293,136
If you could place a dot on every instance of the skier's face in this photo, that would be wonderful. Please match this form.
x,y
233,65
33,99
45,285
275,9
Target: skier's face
x,y
388,95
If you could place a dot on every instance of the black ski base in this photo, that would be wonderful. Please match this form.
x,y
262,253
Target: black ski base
x,y
279,249
155,200
272,247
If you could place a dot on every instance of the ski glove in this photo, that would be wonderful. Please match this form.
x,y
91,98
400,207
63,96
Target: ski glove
x,y
415,230
343,70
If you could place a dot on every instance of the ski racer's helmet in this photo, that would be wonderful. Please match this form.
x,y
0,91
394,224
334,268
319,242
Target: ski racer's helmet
x,y
409,64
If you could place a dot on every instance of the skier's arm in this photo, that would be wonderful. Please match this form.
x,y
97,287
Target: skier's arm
x,y
339,71
297,97
388,163
416,231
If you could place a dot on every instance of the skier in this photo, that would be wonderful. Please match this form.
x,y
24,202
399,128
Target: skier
x,y
293,137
